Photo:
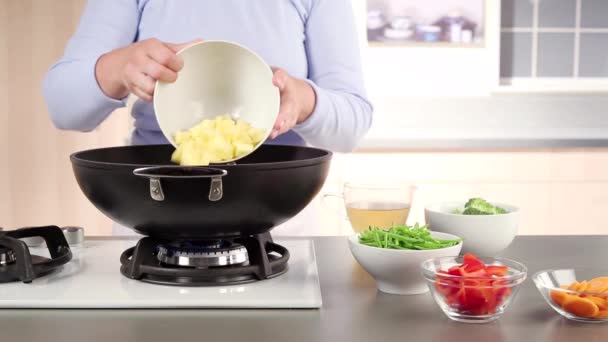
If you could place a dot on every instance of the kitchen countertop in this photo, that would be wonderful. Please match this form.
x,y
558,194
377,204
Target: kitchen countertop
x,y
500,121
433,144
352,309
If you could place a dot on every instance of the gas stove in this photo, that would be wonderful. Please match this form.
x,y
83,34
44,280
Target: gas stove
x,y
238,272
224,261
18,264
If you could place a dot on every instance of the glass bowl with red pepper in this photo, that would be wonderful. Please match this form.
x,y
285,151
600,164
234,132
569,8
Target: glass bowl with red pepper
x,y
471,289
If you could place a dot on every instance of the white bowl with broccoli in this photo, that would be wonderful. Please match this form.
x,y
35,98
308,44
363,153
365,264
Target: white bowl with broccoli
x,y
487,228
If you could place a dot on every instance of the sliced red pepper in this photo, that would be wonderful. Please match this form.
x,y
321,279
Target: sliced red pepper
x,y
501,290
454,270
472,264
474,294
458,300
464,271
477,292
499,271
477,274
446,285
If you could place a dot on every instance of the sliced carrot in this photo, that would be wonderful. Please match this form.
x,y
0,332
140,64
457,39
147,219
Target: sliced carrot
x,y
601,303
574,286
558,297
581,307
582,287
598,285
602,314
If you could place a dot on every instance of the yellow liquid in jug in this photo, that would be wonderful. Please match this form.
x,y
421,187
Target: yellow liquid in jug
x,y
364,214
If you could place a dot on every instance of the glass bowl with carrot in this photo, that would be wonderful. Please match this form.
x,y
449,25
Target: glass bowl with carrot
x,y
578,294
473,289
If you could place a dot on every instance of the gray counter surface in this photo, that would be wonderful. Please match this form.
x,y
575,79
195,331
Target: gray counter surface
x,y
352,309
500,121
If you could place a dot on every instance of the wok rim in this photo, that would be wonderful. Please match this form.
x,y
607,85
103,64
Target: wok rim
x,y
76,159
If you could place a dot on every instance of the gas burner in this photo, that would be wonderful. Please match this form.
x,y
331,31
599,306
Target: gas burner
x,y
16,262
7,256
203,254
205,263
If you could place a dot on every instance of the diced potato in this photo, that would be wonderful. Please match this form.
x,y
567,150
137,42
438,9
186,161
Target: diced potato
x,y
176,157
241,149
181,137
243,138
207,124
220,147
216,140
204,158
227,129
256,134
189,155
242,126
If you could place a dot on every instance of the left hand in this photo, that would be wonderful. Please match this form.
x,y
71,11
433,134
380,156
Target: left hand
x,y
297,101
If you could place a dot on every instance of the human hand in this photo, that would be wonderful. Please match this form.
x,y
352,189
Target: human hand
x,y
136,68
297,101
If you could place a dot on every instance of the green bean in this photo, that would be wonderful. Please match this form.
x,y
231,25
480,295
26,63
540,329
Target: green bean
x,y
404,237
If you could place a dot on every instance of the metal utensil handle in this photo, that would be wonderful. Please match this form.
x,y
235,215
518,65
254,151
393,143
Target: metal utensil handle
x,y
180,172
156,173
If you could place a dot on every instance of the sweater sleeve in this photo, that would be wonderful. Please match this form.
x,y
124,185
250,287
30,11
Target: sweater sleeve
x,y
343,114
74,99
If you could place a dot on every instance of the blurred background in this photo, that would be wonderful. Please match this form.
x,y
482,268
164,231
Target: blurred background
x,y
519,117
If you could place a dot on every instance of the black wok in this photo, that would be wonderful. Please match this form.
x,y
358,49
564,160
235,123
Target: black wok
x,y
138,187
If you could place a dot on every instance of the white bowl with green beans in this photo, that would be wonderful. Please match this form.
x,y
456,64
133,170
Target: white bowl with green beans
x,y
393,256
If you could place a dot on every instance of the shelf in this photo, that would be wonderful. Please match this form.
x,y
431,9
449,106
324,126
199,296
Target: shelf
x,y
413,44
552,85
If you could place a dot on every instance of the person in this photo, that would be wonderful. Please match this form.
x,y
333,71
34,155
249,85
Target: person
x,y
123,47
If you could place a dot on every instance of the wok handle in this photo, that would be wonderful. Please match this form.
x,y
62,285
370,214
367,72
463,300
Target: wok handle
x,y
156,173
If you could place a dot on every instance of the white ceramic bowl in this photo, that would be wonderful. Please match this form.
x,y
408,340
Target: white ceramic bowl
x,y
398,271
218,78
484,235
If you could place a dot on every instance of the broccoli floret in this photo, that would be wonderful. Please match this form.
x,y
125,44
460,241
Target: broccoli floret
x,y
500,210
477,202
478,206
475,211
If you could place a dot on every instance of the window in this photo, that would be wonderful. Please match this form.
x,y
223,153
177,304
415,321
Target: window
x,y
554,40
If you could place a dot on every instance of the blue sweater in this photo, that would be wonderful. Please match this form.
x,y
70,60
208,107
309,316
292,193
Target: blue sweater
x,y
314,40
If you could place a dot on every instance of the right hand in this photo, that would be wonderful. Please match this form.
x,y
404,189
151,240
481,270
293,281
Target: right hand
x,y
136,68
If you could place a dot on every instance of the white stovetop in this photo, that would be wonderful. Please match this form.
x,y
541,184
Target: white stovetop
x,y
93,280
